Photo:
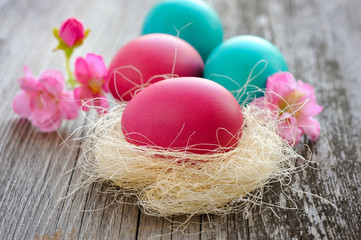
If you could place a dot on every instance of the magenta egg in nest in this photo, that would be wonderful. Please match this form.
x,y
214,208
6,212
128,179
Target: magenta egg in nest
x,y
188,114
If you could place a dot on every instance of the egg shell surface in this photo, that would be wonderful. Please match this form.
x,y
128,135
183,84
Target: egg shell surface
x,y
235,58
205,31
189,114
148,59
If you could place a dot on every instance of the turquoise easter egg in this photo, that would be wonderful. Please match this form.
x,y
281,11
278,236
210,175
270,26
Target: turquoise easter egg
x,y
242,65
197,22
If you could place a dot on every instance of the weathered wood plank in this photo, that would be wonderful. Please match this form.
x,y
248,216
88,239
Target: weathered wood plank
x,y
154,228
321,53
32,179
319,40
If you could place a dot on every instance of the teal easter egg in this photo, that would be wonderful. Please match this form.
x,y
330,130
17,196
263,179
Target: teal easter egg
x,y
242,65
197,22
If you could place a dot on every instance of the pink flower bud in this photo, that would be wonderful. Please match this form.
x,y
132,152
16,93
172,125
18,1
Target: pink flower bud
x,y
71,31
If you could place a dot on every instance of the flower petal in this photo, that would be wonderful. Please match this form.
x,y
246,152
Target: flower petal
x,y
105,86
71,31
84,97
282,83
310,108
307,90
81,71
52,82
311,127
96,66
46,102
51,125
289,130
68,107
264,102
22,104
28,82
101,103
45,121
259,102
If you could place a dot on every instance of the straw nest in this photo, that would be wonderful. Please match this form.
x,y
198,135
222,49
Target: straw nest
x,y
167,182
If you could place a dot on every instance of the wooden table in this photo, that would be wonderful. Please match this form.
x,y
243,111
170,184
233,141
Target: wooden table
x,y
321,41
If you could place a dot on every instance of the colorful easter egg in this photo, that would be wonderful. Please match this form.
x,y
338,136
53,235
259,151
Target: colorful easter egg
x,y
148,59
197,22
244,59
188,114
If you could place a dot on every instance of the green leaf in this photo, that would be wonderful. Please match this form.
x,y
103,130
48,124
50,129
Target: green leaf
x,y
61,46
56,33
86,33
81,41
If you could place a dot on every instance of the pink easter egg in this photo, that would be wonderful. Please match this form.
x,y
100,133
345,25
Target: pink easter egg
x,y
149,59
189,114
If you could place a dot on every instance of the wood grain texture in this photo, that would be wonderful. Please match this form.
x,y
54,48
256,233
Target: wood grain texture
x,y
39,194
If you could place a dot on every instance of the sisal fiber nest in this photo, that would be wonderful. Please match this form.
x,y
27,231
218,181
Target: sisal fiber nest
x,y
167,182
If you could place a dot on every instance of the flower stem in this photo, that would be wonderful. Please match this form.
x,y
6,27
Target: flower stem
x,y
71,81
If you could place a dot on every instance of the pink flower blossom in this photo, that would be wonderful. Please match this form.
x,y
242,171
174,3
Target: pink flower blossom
x,y
91,73
43,100
294,102
71,31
